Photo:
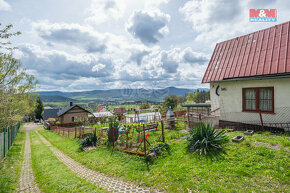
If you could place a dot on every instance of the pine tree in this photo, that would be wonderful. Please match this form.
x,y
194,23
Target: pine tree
x,y
39,108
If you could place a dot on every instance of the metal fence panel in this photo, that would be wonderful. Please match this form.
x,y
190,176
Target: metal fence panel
x,y
1,145
7,137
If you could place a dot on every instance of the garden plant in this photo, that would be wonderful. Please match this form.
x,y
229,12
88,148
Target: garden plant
x,y
206,139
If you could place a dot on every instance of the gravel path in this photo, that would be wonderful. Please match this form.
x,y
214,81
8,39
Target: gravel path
x,y
26,181
99,179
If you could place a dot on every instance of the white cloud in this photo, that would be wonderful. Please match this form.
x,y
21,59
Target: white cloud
x,y
102,10
192,57
216,21
4,6
61,65
98,67
154,3
148,26
71,34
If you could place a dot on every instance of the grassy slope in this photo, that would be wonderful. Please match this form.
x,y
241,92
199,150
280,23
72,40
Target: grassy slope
x,y
51,174
10,167
244,167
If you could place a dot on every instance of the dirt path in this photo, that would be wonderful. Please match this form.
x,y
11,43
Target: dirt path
x,y
26,181
96,178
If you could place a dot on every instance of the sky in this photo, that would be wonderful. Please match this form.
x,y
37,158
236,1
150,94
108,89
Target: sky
x,y
77,45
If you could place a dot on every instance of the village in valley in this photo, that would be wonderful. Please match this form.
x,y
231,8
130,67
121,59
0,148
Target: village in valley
x,y
92,106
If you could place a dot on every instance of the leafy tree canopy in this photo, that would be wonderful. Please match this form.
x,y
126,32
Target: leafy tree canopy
x,y
15,83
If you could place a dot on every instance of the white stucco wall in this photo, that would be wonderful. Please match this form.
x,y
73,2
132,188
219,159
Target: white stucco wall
x,y
230,100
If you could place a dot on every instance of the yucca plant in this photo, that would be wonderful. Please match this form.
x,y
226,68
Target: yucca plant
x,y
205,139
90,140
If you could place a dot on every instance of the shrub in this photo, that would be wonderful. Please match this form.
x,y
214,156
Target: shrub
x,y
90,140
205,139
160,149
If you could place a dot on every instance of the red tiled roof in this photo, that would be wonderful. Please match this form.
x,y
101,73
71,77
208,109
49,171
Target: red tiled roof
x,y
100,109
120,110
265,52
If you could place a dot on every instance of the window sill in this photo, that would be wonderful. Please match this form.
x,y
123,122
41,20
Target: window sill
x,y
263,112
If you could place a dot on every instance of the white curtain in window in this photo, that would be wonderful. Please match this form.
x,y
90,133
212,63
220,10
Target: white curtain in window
x,y
250,99
265,99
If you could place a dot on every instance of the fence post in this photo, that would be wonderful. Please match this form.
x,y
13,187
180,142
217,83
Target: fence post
x,y
95,135
4,139
144,139
162,127
75,132
261,119
8,145
188,122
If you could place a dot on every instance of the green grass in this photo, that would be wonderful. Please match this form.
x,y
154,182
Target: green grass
x,y
52,175
10,167
244,168
267,137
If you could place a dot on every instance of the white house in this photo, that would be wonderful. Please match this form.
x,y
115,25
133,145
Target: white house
x,y
249,75
102,112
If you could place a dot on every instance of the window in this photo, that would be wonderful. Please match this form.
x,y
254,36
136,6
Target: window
x,y
258,99
73,119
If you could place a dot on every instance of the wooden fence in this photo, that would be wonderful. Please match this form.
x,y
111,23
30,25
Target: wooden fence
x,y
73,132
7,137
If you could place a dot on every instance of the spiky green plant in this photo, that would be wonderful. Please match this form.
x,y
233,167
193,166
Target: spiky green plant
x,y
90,140
206,139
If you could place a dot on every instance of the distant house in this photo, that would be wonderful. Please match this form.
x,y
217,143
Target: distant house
x,y
120,112
249,75
102,112
50,113
72,113
102,109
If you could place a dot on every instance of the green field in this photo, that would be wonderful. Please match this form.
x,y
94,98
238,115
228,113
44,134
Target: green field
x,y
111,107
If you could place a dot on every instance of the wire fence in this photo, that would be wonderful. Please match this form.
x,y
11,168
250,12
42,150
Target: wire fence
x,y
7,137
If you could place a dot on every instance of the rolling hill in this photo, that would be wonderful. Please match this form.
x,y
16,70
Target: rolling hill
x,y
115,95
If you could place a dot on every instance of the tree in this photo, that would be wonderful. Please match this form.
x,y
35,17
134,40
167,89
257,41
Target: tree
x,y
191,97
39,108
172,101
15,83
202,97
145,105
198,97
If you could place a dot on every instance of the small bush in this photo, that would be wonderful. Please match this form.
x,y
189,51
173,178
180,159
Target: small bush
x,y
90,140
205,139
160,149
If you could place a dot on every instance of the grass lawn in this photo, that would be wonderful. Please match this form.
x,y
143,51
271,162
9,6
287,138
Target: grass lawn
x,y
52,175
10,167
244,168
267,137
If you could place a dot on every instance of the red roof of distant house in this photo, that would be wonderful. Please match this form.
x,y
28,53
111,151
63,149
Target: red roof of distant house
x,y
100,109
265,52
120,110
